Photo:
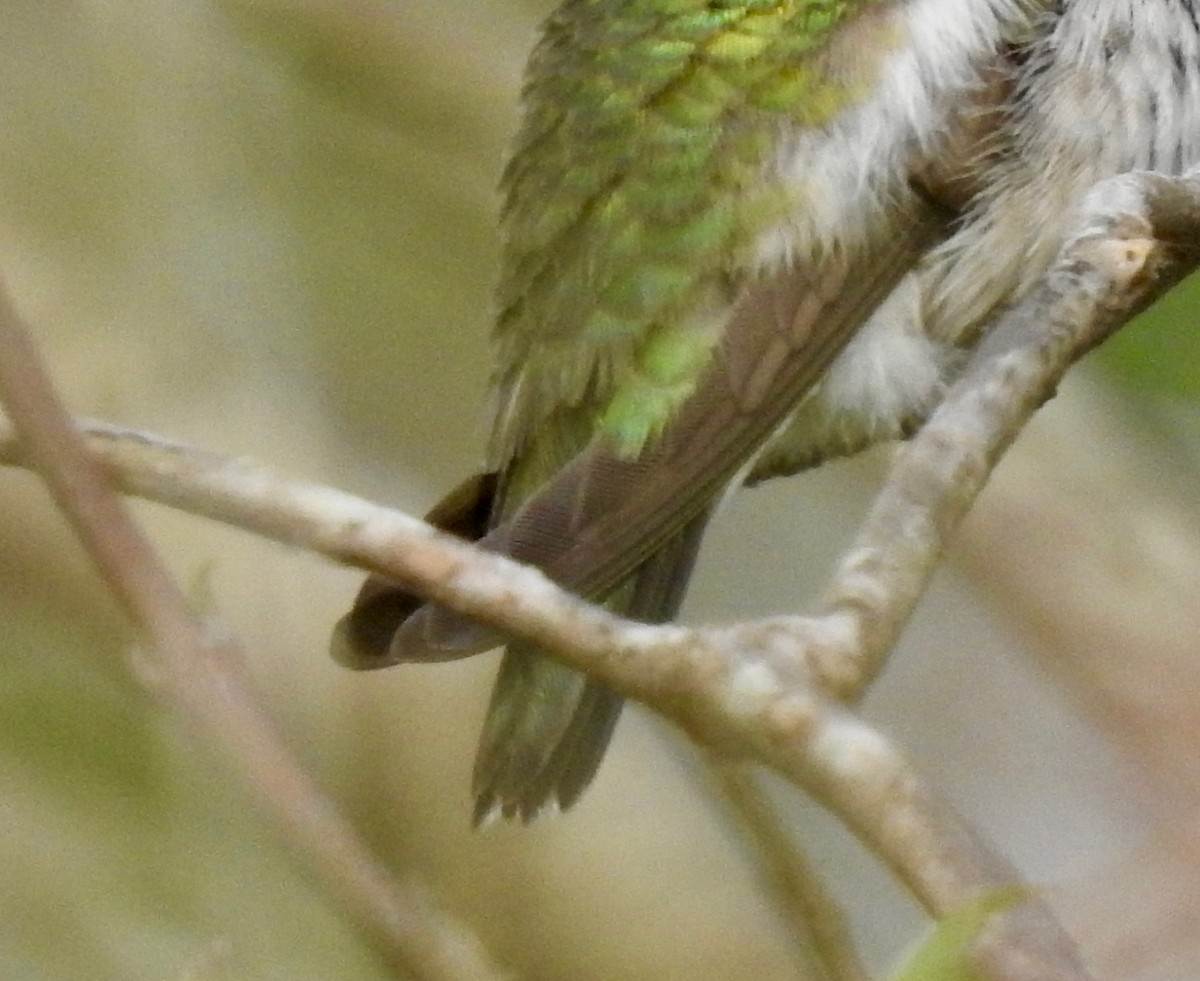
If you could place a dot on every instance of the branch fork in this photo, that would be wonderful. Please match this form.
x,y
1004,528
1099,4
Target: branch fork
x,y
776,691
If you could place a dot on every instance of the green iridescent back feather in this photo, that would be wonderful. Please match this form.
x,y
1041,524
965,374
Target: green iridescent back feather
x,y
633,197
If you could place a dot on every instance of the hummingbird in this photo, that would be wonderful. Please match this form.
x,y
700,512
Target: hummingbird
x,y
740,238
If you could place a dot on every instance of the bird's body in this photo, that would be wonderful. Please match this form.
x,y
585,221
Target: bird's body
x,y
744,236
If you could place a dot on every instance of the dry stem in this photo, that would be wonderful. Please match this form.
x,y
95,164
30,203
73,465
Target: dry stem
x,y
197,669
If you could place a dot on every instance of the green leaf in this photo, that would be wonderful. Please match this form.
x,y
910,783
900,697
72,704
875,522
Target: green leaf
x,y
946,955
1159,353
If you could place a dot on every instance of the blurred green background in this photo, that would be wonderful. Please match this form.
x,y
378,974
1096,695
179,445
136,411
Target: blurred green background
x,y
268,228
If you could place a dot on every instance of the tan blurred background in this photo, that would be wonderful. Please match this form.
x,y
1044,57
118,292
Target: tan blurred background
x,y
267,228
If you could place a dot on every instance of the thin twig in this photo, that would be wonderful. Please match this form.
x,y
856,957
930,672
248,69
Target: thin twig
x,y
197,669
1140,236
809,907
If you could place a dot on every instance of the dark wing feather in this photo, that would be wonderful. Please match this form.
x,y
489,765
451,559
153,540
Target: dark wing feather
x,y
362,638
604,514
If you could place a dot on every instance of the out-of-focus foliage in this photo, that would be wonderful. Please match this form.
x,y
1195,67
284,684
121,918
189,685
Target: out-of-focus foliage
x,y
267,226
1158,357
241,223
946,954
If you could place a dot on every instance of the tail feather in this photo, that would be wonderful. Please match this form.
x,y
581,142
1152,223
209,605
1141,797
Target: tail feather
x,y
548,726
546,731
363,639
577,756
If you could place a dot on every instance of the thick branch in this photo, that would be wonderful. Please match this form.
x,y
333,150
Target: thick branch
x,y
753,701
750,690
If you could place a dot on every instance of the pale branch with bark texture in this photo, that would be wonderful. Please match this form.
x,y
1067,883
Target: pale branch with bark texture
x,y
768,690
1140,235
724,696
196,667
698,677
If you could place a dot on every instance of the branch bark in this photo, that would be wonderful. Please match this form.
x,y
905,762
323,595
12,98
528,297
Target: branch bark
x,y
1139,236
771,690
